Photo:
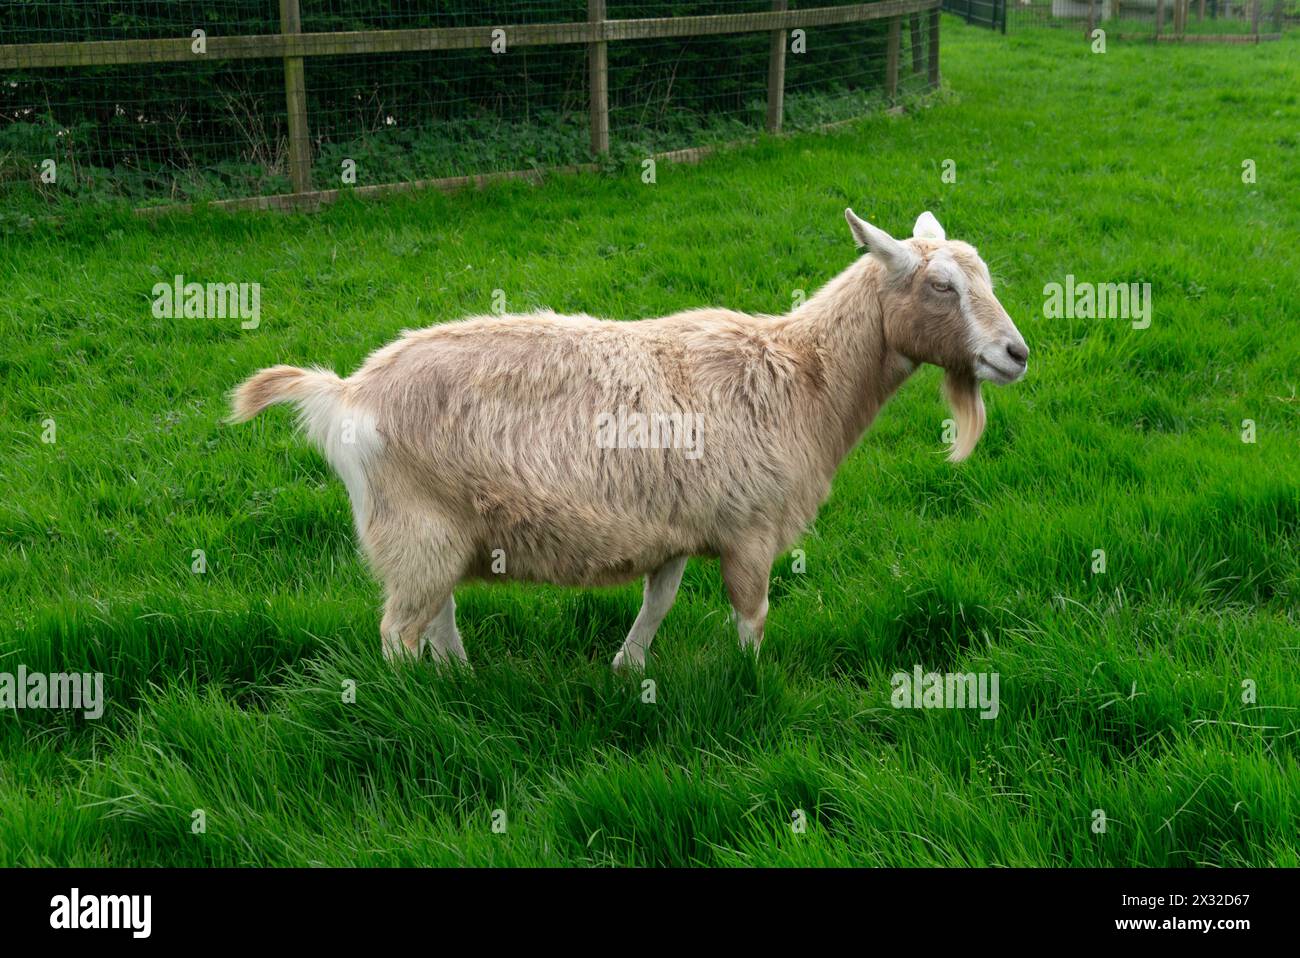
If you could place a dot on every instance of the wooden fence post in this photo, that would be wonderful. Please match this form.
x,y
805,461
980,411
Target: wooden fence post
x,y
295,100
934,47
918,54
891,57
1277,16
776,75
1200,10
1092,20
1160,17
598,71
1254,20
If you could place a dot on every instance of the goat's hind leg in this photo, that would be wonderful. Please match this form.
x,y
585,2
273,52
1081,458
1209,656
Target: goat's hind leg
x,y
408,614
442,636
420,563
660,592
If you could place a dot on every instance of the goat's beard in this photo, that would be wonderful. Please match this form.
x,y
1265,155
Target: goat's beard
x,y
963,392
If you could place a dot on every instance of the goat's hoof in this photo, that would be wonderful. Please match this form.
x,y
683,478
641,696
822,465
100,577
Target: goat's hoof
x,y
626,663
400,656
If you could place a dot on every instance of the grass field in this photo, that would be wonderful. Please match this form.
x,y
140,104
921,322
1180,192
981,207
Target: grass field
x,y
1121,691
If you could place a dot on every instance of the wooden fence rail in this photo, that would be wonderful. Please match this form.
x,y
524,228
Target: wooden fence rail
x,y
293,46
25,56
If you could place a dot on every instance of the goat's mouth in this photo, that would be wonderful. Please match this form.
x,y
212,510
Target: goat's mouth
x,y
1001,373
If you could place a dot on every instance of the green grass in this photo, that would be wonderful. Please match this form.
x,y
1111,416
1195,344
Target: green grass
x,y
1120,691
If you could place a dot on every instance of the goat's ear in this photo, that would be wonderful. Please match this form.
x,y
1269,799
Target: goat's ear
x,y
927,227
890,251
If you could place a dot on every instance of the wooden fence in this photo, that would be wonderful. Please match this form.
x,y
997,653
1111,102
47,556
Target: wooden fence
x,y
1181,10
1159,21
292,45
1179,14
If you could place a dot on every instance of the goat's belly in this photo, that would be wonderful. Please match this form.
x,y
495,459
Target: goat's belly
x,y
584,578
591,559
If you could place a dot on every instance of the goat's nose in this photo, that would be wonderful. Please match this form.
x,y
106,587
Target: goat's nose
x,y
1019,353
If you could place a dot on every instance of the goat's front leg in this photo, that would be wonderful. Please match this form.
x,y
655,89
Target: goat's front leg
x,y
660,592
745,572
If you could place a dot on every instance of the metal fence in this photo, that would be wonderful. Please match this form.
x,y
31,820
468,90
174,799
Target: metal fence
x,y
981,13
290,102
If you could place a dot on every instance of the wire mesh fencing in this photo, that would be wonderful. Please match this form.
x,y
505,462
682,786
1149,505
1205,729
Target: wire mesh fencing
x,y
166,101
1189,21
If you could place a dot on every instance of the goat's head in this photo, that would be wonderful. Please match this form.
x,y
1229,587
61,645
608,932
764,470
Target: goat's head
x,y
938,307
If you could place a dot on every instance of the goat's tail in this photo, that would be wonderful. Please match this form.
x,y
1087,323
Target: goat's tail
x,y
345,434
306,388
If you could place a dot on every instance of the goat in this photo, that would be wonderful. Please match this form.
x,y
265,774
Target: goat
x,y
473,449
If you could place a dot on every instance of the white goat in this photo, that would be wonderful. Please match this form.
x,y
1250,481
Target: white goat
x,y
481,448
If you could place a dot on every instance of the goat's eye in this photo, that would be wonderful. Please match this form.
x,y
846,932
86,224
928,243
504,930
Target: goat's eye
x,y
941,287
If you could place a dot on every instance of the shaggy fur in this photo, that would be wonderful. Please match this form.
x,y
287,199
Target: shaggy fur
x,y
470,449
